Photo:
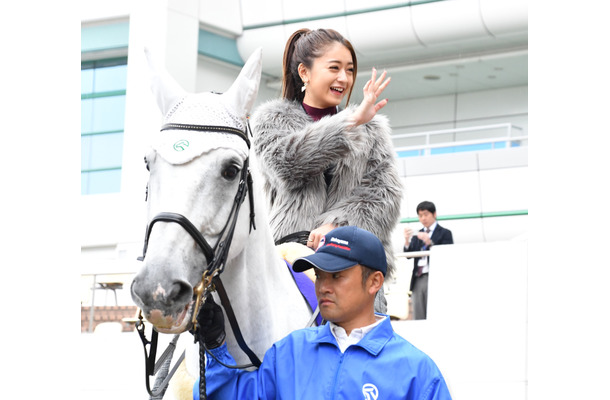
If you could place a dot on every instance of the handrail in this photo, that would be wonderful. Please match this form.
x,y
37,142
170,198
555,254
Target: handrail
x,y
508,138
413,254
507,125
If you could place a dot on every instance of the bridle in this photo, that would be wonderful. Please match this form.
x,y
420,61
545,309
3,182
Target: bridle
x,y
216,258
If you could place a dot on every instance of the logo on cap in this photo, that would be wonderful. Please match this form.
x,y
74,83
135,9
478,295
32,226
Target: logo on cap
x,y
340,243
322,242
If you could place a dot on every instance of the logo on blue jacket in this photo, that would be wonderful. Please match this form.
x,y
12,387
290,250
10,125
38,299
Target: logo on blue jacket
x,y
370,391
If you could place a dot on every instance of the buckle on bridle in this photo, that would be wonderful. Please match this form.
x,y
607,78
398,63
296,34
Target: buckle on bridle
x,y
201,291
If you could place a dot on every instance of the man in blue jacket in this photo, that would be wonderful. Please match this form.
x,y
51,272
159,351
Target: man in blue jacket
x,y
356,355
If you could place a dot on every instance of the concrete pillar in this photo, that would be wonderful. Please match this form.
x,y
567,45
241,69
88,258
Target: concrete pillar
x,y
170,29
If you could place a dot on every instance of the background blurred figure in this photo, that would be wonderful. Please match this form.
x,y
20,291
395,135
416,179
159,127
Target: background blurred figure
x,y
430,235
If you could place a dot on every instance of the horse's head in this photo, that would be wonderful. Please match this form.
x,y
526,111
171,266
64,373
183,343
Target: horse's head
x,y
196,172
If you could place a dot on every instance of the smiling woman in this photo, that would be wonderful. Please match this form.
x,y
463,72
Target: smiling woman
x,y
330,75
325,167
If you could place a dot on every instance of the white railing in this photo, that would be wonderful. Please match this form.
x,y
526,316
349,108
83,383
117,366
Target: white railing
x,y
507,139
413,254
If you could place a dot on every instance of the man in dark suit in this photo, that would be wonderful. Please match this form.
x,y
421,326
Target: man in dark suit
x,y
430,235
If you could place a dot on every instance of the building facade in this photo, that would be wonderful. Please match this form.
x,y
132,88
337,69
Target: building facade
x,y
457,103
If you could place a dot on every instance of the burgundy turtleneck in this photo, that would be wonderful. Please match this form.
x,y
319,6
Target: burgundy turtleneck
x,y
317,113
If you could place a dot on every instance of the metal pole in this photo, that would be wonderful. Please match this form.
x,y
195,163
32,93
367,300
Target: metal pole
x,y
91,312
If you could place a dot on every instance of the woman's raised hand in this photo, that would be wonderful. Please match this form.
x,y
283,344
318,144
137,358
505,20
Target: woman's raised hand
x,y
369,106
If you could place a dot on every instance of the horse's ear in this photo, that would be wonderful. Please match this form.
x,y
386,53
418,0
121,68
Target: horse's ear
x,y
164,87
242,93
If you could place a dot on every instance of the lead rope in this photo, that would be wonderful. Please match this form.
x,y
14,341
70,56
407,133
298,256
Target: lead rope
x,y
162,372
212,282
202,388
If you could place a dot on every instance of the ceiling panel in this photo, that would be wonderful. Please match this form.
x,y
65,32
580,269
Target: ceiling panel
x,y
452,76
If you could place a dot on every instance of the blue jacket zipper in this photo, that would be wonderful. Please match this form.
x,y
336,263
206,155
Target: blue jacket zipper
x,y
337,375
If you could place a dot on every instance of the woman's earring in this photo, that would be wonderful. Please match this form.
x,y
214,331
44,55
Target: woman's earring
x,y
304,86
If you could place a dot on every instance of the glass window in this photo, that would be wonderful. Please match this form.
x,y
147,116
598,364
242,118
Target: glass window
x,y
102,114
99,182
86,115
110,78
86,81
101,151
103,85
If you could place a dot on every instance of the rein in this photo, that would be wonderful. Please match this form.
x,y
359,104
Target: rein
x,y
298,237
216,258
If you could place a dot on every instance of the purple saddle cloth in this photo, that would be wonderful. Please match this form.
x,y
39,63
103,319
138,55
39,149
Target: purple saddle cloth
x,y
307,288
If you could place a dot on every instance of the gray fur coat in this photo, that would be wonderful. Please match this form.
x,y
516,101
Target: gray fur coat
x,y
294,152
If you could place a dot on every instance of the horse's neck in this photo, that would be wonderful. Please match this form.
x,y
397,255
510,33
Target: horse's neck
x,y
263,294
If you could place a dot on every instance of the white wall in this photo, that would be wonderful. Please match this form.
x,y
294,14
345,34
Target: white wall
x,y
477,326
223,16
508,105
92,11
468,183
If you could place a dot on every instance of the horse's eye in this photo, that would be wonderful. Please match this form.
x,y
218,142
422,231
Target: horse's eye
x,y
230,172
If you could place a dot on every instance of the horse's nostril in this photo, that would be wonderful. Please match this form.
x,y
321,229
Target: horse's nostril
x,y
136,291
179,292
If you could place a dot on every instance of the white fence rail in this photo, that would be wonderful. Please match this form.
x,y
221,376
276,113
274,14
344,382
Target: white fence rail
x,y
426,142
413,254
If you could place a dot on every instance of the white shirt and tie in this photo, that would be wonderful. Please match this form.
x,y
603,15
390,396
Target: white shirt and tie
x,y
423,262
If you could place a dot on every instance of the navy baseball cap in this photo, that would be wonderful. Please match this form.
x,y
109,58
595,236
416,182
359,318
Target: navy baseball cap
x,y
344,247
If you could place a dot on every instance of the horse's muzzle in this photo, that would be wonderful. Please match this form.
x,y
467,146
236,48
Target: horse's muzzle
x,y
168,310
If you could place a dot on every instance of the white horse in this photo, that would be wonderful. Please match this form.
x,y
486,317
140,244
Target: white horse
x,y
196,173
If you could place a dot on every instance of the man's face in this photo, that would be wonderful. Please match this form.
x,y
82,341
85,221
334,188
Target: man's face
x,y
426,218
341,296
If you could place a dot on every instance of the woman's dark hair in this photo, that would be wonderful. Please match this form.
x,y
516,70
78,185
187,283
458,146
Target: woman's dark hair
x,y
304,46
